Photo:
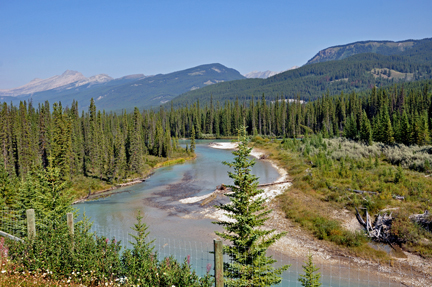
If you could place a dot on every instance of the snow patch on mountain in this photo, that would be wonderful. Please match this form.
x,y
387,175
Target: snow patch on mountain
x,y
265,74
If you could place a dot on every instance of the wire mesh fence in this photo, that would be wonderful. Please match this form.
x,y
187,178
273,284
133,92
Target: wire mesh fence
x,y
13,222
337,271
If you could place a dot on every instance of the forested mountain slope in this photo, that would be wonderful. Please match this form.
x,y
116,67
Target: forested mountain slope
x,y
356,73
379,47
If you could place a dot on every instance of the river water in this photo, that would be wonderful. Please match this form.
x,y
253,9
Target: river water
x,y
169,220
158,197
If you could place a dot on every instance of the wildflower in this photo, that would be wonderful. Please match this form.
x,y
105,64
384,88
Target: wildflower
x,y
3,271
188,259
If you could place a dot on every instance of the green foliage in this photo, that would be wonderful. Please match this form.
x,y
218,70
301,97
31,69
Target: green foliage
x,y
365,130
249,264
192,144
45,191
404,230
91,260
311,278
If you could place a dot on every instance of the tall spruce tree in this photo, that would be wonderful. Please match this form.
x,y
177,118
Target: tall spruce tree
x,y
192,144
405,129
61,141
249,264
387,134
136,145
365,130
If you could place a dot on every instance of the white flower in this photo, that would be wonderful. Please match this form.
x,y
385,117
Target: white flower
x,y
3,271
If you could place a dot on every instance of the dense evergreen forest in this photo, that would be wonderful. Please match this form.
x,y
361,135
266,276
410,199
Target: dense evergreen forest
x,y
97,145
112,148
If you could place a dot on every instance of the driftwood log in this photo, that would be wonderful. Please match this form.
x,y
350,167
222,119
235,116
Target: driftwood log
x,y
380,229
362,191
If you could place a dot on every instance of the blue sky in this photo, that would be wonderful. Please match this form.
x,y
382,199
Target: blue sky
x,y
39,39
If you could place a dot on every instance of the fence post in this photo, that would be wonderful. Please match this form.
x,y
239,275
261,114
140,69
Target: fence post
x,y
31,223
70,222
218,262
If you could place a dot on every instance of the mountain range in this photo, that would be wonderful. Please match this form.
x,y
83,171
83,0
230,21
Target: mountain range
x,y
330,73
122,93
351,67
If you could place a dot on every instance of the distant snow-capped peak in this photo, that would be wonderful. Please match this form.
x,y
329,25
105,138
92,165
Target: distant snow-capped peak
x,y
68,78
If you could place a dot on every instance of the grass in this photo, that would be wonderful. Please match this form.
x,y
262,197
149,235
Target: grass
x,y
394,74
322,171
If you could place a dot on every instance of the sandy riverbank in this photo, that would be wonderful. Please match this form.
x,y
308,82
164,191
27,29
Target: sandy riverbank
x,y
271,191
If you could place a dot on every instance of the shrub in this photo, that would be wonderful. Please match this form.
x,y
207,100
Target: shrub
x,y
403,229
91,260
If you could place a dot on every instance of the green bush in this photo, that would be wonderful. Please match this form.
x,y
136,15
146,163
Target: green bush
x,y
91,260
404,230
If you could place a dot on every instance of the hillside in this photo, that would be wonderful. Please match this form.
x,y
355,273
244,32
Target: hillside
x,y
356,73
131,91
386,48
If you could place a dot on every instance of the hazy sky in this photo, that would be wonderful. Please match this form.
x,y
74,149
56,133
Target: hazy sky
x,y
40,39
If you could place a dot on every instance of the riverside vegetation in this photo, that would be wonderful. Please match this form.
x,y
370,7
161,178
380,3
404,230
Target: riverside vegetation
x,y
325,171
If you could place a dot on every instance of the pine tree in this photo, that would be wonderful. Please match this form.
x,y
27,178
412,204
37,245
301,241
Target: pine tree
x,y
310,278
61,141
387,135
45,191
119,154
421,130
53,196
249,265
7,188
350,129
365,130
136,144
192,144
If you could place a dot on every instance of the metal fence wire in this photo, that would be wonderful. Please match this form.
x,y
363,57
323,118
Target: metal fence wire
x,y
337,271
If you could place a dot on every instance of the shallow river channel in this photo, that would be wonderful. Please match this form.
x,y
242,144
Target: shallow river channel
x,y
176,227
